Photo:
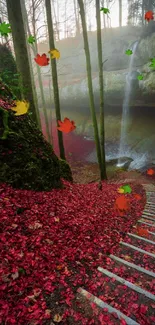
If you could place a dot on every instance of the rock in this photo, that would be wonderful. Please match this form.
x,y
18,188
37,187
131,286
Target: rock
x,y
27,159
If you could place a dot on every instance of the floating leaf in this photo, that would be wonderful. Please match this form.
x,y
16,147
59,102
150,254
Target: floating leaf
x,y
21,107
152,65
126,188
66,126
55,54
5,29
149,15
120,190
150,172
42,60
140,77
128,52
105,10
31,39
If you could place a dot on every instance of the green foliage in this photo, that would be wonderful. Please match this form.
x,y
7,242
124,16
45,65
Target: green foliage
x,y
105,10
8,70
31,39
65,171
5,29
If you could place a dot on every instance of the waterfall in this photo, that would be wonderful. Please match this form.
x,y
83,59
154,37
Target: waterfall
x,y
126,113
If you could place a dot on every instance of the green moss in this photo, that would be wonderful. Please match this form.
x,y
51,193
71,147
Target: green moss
x,y
8,70
65,170
27,160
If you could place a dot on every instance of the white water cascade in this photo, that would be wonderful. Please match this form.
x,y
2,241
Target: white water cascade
x,y
126,113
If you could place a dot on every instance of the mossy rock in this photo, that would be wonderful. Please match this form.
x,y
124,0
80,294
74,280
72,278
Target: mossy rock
x,y
65,171
27,159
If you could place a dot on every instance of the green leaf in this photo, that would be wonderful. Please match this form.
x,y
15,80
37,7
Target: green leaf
x,y
105,10
21,270
152,65
126,188
140,77
5,29
31,39
128,52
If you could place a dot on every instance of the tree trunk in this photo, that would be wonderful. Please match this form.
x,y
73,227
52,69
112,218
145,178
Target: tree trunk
x,y
19,40
120,13
26,27
35,51
54,76
90,85
76,20
101,85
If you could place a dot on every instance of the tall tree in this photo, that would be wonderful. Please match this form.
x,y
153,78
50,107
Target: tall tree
x,y
35,51
19,41
120,13
101,85
90,85
26,27
54,75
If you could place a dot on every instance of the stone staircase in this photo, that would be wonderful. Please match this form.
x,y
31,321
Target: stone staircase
x,y
127,280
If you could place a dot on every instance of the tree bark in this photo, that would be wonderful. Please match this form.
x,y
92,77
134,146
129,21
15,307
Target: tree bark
x,y
19,40
101,85
120,13
90,85
54,76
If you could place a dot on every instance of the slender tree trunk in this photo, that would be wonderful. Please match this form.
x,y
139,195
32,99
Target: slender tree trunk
x,y
120,13
26,27
76,19
54,76
142,12
90,85
19,40
104,22
101,85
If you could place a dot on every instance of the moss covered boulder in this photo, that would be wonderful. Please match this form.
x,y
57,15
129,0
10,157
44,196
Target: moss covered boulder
x,y
27,159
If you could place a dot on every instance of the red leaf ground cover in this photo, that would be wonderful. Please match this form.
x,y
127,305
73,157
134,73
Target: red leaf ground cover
x,y
51,243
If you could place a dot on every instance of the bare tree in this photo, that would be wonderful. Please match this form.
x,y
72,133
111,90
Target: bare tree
x,y
54,75
90,85
101,85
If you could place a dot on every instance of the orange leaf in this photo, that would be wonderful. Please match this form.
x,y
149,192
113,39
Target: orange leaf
x,y
122,203
149,15
42,60
138,197
150,171
66,126
142,232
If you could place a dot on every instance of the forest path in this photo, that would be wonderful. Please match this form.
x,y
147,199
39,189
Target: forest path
x,y
126,282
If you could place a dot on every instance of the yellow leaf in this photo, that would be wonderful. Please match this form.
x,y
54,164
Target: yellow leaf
x,y
55,54
21,108
120,190
57,318
127,257
57,219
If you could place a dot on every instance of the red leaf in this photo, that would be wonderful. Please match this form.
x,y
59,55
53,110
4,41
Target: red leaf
x,y
66,126
149,15
41,60
150,171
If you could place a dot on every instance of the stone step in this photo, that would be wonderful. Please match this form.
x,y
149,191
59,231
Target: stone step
x,y
137,256
151,234
147,218
127,283
100,303
146,223
141,242
148,213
